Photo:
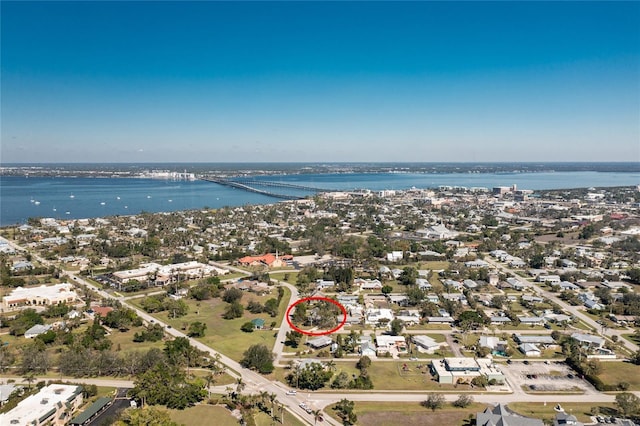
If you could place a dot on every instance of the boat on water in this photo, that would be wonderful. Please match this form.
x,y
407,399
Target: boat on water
x,y
117,198
102,203
171,201
37,203
72,196
67,212
148,196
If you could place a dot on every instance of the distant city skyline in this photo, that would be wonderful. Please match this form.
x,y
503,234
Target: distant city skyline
x,y
320,82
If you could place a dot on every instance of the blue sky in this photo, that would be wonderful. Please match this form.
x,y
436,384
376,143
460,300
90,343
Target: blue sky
x,y
209,81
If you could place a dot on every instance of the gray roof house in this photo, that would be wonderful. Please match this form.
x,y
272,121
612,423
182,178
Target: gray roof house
x,y
500,415
36,330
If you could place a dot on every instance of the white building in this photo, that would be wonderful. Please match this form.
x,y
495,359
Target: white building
x,y
53,405
373,316
40,296
368,284
529,349
390,344
426,344
452,370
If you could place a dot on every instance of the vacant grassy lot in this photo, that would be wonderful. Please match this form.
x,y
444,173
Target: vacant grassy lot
x,y
204,415
292,276
410,413
547,413
225,335
632,338
617,372
263,419
123,341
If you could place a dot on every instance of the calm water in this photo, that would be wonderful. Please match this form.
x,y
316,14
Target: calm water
x,y
21,198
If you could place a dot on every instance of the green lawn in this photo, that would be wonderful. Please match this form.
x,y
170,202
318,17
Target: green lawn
x,y
263,419
616,372
408,413
388,376
225,335
124,341
546,412
203,415
634,338
292,274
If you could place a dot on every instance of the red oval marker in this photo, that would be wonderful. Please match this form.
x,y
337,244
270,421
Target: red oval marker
x,y
311,333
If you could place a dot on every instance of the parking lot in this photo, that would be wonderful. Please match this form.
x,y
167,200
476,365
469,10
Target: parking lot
x,y
550,376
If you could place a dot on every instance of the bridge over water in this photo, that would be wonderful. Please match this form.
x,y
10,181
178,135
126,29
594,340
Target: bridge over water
x,y
249,184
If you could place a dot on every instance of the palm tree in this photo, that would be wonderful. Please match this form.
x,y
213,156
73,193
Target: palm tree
x,y
272,399
281,406
210,378
317,415
240,385
264,395
331,365
29,378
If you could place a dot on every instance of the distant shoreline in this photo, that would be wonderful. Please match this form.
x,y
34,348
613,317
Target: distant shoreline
x,y
114,170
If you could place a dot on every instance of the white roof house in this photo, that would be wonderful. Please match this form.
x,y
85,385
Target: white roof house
x,y
425,343
529,349
385,343
373,316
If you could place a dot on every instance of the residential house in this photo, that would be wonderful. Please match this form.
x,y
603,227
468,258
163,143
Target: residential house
x,y
498,320
319,342
544,340
470,284
501,416
390,344
530,349
394,256
426,344
368,284
440,320
324,284
533,321
376,316
493,343
549,279
258,323
36,330
563,418
588,340
423,284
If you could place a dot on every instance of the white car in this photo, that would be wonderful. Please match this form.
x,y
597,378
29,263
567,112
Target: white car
x,y
291,392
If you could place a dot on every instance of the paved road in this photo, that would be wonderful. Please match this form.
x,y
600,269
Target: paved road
x,y
284,327
254,381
